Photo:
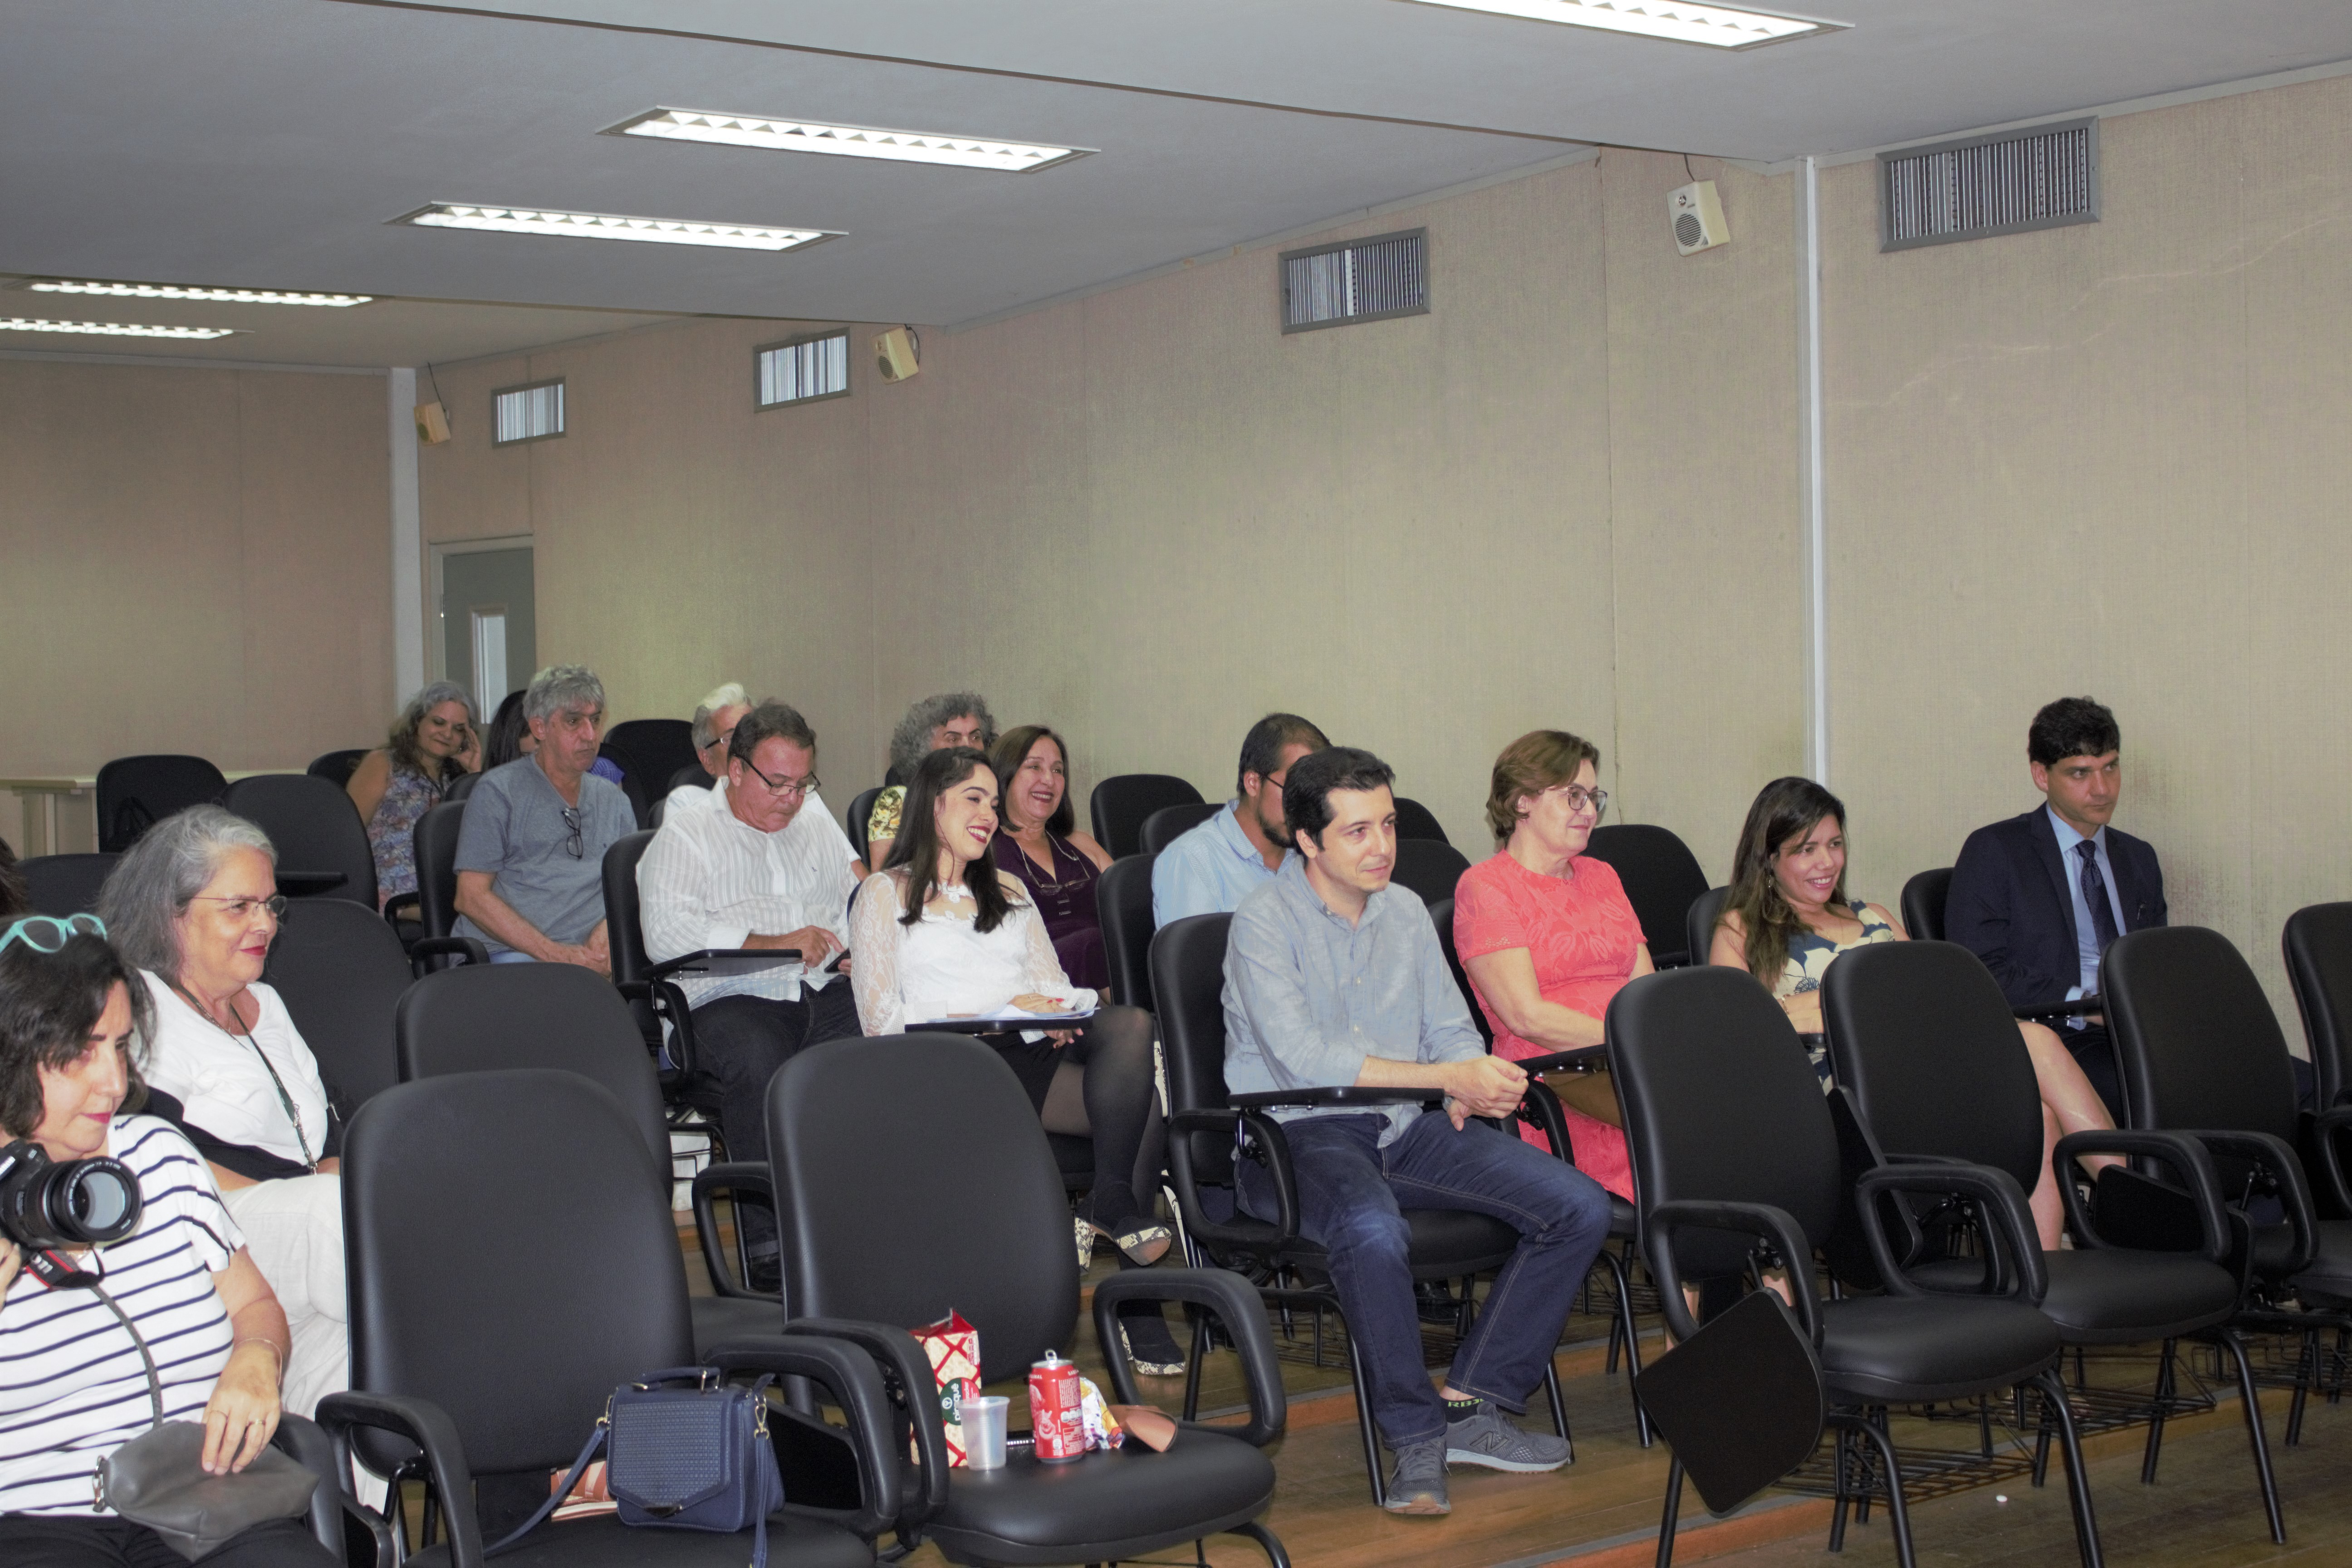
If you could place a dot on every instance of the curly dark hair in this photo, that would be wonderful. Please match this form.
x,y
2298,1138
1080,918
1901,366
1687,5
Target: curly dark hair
x,y
49,1003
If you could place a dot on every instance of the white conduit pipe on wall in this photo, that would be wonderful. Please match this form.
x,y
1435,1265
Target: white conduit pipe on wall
x,y
407,540
1817,647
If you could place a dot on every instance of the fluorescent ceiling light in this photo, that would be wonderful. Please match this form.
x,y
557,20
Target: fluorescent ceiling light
x,y
1718,26
176,291
606,226
848,140
111,329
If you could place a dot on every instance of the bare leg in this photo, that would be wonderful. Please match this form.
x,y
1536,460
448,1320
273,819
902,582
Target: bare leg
x,y
2048,1207
2064,1090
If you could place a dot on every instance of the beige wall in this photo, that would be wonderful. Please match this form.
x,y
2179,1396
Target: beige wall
x,y
190,561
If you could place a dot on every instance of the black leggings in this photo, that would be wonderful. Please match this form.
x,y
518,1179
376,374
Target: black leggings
x,y
1101,1086
82,1541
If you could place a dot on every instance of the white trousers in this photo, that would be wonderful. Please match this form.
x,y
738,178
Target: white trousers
x,y
294,1229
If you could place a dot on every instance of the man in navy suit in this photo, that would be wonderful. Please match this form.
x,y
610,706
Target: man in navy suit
x,y
2039,896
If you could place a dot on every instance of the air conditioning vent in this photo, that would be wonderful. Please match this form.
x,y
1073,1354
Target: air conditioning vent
x,y
1359,281
2046,178
530,412
803,370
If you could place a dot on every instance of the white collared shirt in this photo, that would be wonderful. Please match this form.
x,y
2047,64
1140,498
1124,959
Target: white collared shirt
x,y
710,881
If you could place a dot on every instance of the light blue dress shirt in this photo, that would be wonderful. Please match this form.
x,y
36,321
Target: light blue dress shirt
x,y
1208,870
2086,943
1309,996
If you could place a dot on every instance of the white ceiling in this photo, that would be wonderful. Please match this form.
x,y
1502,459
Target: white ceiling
x,y
264,144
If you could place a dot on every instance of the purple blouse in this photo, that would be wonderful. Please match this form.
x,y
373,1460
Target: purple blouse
x,y
1065,898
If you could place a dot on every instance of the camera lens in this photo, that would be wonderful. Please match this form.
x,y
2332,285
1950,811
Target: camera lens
x,y
78,1203
100,1201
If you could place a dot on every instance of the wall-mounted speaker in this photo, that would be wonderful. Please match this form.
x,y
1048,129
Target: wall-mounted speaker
x,y
897,353
432,423
1697,217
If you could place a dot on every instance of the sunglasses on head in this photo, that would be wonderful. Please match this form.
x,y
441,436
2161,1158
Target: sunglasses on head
x,y
47,933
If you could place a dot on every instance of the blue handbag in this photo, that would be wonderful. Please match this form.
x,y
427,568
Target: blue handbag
x,y
682,1458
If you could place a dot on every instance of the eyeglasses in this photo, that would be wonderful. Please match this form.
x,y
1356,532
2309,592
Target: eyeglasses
x,y
575,846
240,909
1579,797
47,933
799,789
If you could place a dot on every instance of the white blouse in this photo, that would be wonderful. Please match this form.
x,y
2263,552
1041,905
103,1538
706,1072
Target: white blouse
x,y
944,966
224,1087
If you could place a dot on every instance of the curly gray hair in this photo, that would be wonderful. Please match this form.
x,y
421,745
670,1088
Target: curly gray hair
x,y
562,686
910,742
157,878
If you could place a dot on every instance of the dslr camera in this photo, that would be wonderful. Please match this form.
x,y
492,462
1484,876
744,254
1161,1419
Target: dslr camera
x,y
47,1204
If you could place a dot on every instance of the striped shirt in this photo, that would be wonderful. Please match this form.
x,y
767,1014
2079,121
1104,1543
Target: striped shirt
x,y
709,880
72,1386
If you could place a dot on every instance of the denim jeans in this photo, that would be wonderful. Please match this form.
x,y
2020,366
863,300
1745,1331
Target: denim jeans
x,y
1350,1193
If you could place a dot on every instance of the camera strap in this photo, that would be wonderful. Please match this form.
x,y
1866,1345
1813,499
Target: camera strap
x,y
55,1270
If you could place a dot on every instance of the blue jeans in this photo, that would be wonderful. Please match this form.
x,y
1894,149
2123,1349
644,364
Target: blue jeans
x,y
1350,1193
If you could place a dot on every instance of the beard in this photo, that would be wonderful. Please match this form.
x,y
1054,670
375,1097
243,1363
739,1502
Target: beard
x,y
1278,832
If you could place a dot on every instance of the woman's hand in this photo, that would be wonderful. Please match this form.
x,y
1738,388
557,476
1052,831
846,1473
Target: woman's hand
x,y
242,1413
469,756
11,1260
1038,1002
1804,1010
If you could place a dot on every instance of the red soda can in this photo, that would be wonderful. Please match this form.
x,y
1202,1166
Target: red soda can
x,y
1056,1415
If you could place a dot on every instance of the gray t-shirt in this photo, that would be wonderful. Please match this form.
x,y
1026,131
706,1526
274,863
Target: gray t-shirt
x,y
514,829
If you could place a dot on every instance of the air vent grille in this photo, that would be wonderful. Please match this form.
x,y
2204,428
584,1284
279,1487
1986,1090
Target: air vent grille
x,y
2006,184
530,412
803,370
1359,281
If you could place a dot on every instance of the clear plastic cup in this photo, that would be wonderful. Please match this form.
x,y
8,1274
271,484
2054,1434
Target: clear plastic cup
x,y
984,1430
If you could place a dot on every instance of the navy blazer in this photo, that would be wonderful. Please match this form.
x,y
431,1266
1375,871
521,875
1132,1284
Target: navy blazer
x,y
2009,905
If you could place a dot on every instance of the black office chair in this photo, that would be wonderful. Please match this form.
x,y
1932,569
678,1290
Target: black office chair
x,y
1430,866
635,784
341,971
1169,823
1930,1060
1188,964
1123,905
1416,820
958,1177
860,816
435,853
1441,915
653,998
460,788
136,792
322,846
65,884
1120,804
655,750
1923,904
1699,922
509,1266
337,767
691,773
1738,1169
2318,945
1661,877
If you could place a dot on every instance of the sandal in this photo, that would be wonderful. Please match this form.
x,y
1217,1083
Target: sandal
x,y
1165,1358
1141,1241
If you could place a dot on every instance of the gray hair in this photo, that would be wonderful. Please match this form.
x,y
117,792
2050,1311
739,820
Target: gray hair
x,y
562,686
770,720
153,883
403,741
910,742
706,712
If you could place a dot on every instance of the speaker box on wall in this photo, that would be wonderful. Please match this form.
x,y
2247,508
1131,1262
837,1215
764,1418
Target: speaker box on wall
x,y
897,354
1697,217
432,423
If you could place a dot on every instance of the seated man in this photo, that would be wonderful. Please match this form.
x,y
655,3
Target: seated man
x,y
714,721
756,870
2039,896
1207,869
1334,978
530,853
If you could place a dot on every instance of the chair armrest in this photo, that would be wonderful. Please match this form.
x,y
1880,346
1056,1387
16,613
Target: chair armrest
x,y
1260,1128
2000,1199
844,1371
1540,1108
425,1423
728,1176
1328,1095
900,1360
1234,1301
1773,1226
2331,1165
2273,1157
667,1001
467,948
2189,1161
1555,1061
333,1510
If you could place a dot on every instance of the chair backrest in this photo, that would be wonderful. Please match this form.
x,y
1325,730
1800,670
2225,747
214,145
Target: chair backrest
x,y
861,815
340,971
508,1260
691,773
1169,823
1120,804
1416,820
315,828
336,767
1720,1104
1430,866
2195,1038
2318,943
633,784
1441,915
1923,1042
436,864
136,792
483,1016
1698,923
623,932
1661,877
1188,981
1923,905
655,750
949,1202
65,884
1123,905
460,788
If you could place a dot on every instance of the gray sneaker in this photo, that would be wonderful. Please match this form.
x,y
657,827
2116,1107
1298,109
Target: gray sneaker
x,y
1488,1437
1417,1485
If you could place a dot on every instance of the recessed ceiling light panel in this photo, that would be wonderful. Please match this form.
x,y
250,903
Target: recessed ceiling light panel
x,y
111,329
609,226
179,291
845,141
1719,26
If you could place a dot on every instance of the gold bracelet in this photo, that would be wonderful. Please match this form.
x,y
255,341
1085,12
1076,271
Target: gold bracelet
x,y
274,1353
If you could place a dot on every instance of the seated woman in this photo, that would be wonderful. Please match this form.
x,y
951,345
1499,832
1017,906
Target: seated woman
x,y
433,743
79,1385
1547,936
509,736
1037,842
1786,919
951,719
193,905
941,933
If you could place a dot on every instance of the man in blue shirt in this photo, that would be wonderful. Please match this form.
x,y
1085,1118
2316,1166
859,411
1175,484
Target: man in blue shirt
x,y
1332,978
1206,870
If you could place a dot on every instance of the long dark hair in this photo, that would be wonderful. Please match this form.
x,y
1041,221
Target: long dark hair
x,y
49,1003
917,847
1012,749
1785,809
503,744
